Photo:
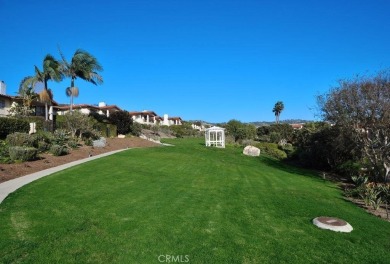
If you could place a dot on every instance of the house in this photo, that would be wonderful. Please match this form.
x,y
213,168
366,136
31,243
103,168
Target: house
x,y
198,126
297,126
145,117
175,121
5,104
170,121
101,109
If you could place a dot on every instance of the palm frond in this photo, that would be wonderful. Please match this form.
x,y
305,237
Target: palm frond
x,y
52,68
27,83
46,96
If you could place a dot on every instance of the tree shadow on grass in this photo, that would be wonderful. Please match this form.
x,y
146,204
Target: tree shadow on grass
x,y
280,165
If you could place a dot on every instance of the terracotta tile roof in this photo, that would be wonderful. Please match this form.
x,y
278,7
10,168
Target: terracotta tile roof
x,y
107,107
151,113
80,106
7,96
175,118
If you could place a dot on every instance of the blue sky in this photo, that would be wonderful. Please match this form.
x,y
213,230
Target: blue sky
x,y
209,60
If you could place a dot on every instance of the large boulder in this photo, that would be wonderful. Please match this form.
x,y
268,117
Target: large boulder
x,y
251,151
100,143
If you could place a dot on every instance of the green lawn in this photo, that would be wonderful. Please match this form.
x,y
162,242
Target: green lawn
x,y
198,204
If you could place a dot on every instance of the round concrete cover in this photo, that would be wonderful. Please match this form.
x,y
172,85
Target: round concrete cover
x,y
332,223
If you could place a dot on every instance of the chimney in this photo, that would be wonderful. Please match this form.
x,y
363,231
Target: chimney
x,y
2,87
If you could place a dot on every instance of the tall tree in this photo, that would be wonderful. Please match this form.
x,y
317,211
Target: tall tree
x,y
83,65
362,105
28,94
278,108
51,71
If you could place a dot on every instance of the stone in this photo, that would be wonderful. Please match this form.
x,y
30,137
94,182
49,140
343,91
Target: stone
x,y
100,143
251,151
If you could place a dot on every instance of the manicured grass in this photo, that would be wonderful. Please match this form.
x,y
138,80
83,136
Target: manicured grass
x,y
206,205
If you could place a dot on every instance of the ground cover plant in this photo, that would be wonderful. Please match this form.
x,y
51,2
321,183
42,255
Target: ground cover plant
x,y
204,205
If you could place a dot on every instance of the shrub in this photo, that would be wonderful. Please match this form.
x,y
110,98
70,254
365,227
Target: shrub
x,y
105,129
88,142
277,153
60,137
349,168
73,143
58,150
4,153
275,137
272,150
122,120
38,120
44,140
135,129
22,153
288,148
12,125
22,139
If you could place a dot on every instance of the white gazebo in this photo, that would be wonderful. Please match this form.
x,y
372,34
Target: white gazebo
x,y
215,136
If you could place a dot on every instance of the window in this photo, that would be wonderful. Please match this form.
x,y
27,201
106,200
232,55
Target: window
x,y
2,104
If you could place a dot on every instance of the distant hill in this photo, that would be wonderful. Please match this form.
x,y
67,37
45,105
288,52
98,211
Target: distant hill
x,y
287,121
257,123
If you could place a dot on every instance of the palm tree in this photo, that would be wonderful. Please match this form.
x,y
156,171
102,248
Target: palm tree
x,y
84,66
51,71
27,92
278,108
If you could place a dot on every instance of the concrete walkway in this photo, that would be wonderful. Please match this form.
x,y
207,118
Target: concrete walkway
x,y
12,185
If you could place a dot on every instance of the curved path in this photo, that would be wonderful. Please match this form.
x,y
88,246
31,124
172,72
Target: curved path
x,y
12,185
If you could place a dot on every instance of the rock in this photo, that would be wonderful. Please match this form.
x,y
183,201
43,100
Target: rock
x,y
251,151
100,143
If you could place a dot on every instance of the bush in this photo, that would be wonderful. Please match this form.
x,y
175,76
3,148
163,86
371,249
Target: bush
x,y
44,140
22,153
275,137
88,142
135,129
73,143
58,150
122,120
60,137
272,150
277,153
288,148
349,168
40,123
12,125
4,152
22,139
105,129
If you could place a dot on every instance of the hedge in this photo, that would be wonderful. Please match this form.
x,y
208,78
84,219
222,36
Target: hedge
x,y
22,140
22,153
12,125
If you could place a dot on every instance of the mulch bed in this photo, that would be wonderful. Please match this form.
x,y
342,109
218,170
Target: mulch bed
x,y
46,161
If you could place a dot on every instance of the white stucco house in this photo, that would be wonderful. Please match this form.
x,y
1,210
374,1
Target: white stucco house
x,y
147,117
101,109
5,104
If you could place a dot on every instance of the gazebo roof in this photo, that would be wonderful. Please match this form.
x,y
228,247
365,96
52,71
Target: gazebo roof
x,y
215,128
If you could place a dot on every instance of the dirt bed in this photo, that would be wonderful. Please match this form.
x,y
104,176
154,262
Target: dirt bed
x,y
46,161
